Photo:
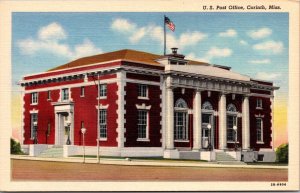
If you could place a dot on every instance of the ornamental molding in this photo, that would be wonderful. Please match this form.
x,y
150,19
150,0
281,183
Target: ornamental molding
x,y
143,106
100,106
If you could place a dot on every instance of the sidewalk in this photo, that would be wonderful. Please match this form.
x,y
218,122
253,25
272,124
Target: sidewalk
x,y
139,162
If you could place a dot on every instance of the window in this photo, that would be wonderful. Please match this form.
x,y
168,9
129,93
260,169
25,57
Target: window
x,y
82,91
259,103
231,122
207,106
142,124
49,95
34,98
103,123
33,119
259,129
65,94
142,91
103,90
180,120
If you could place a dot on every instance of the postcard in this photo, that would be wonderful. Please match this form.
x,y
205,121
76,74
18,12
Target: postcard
x,y
149,96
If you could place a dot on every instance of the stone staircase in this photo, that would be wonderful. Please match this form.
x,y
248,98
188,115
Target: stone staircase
x,y
54,152
190,155
224,157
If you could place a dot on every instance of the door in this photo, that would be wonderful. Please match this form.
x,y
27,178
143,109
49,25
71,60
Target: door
x,y
206,130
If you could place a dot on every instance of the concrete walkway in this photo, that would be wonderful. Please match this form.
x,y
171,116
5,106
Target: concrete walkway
x,y
139,162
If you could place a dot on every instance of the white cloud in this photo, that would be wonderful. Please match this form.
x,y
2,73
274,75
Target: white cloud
x,y
192,56
53,31
154,32
243,42
267,76
270,47
218,52
260,33
48,41
123,25
228,33
264,61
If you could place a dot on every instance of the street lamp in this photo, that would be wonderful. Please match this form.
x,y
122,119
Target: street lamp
x,y
35,141
209,128
235,135
83,131
68,122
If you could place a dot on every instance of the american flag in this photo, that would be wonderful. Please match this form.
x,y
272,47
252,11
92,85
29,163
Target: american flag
x,y
169,23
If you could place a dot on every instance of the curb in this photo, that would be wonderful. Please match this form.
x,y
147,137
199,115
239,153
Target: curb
x,y
134,162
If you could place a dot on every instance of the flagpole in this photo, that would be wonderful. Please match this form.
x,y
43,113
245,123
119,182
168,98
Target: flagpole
x,y
164,35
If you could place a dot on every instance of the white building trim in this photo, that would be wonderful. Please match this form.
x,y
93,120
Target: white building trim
x,y
169,115
143,106
102,106
246,123
121,108
222,122
197,121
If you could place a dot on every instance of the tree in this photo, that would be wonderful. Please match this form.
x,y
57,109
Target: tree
x,y
15,147
282,153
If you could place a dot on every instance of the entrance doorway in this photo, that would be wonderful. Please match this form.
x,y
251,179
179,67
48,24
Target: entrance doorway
x,y
207,130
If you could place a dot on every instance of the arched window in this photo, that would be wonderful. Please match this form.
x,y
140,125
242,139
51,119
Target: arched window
x,y
231,108
180,103
232,123
207,106
180,120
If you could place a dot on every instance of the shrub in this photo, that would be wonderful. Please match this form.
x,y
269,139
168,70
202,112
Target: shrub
x,y
282,153
15,147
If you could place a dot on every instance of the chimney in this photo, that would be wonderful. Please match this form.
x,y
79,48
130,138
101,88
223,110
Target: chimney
x,y
174,51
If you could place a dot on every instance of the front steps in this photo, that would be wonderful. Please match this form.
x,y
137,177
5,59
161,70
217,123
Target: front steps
x,y
189,155
223,156
54,152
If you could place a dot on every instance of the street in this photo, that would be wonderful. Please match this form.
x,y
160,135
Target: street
x,y
44,170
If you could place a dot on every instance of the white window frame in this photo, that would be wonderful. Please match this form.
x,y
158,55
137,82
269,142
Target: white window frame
x,y
144,124
82,91
32,120
182,109
232,112
34,98
143,91
259,104
102,124
261,130
63,94
102,91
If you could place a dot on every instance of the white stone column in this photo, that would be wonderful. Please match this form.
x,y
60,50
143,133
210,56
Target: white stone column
x,y
222,122
197,121
170,118
272,120
246,123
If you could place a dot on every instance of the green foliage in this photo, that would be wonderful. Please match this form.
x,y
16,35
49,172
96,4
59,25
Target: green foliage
x,y
282,153
15,147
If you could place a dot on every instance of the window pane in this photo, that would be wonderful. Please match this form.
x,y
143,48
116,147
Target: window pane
x,y
103,90
103,123
142,90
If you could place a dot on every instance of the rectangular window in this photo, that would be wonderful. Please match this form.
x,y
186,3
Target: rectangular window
x,y
259,103
181,131
259,130
103,123
103,90
49,95
142,124
142,91
65,94
34,98
33,121
82,91
231,133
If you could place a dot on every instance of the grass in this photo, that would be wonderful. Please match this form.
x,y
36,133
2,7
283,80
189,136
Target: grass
x,y
268,163
139,158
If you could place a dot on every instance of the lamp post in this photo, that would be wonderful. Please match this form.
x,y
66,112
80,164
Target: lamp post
x,y
68,127
209,128
235,135
35,141
83,131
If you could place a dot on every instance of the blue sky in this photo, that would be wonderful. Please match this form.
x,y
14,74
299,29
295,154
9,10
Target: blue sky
x,y
254,44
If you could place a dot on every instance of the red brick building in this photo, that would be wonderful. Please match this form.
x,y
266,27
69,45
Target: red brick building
x,y
141,104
